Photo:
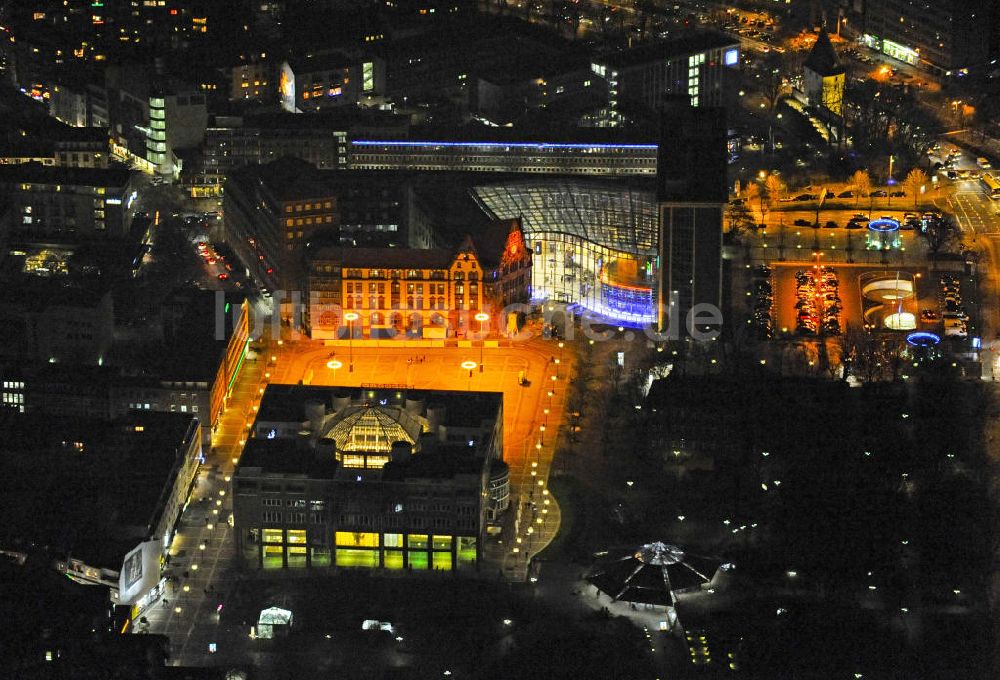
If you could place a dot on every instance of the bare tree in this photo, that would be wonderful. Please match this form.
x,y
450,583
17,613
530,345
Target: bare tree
x,y
915,180
940,234
862,183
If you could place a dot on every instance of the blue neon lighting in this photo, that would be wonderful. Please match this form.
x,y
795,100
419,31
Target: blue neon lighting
x,y
923,339
883,225
731,57
520,145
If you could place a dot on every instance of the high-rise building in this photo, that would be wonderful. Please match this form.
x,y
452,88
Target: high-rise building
x,y
692,193
947,36
702,66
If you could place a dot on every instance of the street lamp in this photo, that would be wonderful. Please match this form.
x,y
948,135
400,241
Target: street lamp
x,y
469,366
333,365
481,317
351,317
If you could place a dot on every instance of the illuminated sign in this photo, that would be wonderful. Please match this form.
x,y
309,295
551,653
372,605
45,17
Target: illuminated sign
x,y
286,88
731,57
901,52
114,201
131,199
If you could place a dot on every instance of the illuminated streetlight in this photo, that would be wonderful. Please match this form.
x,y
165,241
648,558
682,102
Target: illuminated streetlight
x,y
350,317
481,317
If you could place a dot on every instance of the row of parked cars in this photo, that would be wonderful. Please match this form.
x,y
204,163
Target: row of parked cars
x,y
762,293
818,305
954,316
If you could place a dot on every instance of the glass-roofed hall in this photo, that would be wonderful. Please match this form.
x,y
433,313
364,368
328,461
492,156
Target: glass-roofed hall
x,y
595,242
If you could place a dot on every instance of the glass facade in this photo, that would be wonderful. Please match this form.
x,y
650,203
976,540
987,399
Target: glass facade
x,y
369,550
594,243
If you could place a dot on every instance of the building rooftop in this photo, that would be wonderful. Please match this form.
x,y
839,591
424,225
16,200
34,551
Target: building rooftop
x,y
325,61
287,456
36,173
387,258
667,49
88,488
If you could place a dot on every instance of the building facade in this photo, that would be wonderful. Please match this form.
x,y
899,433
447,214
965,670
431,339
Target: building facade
x,y
68,205
948,37
824,77
428,293
524,157
692,193
369,478
704,67
273,211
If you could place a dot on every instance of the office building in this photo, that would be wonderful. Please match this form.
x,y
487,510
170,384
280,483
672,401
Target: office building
x,y
948,37
318,81
57,366
370,478
589,151
68,205
414,293
273,211
153,117
232,142
703,66
109,498
692,192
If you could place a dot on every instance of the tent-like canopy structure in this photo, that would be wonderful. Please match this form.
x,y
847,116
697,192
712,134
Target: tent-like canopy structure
x,y
650,574
273,620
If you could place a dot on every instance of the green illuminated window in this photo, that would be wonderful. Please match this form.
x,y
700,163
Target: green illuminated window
x,y
442,542
273,557
466,550
347,557
296,556
393,559
442,560
418,541
417,560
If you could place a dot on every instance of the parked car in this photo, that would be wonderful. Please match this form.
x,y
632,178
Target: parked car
x,y
897,194
846,194
831,225
802,197
803,223
879,193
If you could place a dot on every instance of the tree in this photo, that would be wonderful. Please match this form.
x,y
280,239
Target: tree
x,y
940,234
862,183
740,219
774,187
755,191
773,84
914,182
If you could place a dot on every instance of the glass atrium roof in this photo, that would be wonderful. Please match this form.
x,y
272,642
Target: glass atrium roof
x,y
603,213
372,428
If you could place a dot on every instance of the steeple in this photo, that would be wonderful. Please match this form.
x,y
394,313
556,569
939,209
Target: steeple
x,y
823,59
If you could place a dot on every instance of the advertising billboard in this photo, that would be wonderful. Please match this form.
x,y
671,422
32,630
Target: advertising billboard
x,y
140,571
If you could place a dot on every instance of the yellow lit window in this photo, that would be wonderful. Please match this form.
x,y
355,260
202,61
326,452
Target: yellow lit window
x,y
296,535
392,540
442,543
418,541
273,536
357,539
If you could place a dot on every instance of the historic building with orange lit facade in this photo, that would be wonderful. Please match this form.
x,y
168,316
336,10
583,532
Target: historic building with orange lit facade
x,y
428,293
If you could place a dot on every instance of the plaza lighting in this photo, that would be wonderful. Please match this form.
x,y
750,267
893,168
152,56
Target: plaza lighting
x,y
481,317
350,317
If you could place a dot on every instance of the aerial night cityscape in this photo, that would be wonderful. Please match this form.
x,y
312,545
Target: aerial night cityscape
x,y
500,339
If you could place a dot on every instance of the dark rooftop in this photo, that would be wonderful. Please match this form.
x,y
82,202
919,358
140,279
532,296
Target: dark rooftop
x,y
288,456
388,258
668,49
94,500
40,174
823,57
